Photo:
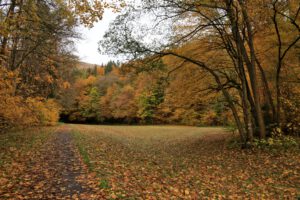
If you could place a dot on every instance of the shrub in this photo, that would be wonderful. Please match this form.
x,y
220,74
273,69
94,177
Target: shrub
x,y
285,142
17,111
45,111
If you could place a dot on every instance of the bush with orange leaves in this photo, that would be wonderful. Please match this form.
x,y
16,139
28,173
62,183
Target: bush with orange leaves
x,y
17,111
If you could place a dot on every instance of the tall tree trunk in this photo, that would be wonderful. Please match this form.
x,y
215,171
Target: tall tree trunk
x,y
250,63
4,43
245,104
267,90
279,64
254,80
233,109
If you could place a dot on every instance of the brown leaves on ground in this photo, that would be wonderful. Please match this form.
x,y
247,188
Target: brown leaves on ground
x,y
140,162
169,162
50,169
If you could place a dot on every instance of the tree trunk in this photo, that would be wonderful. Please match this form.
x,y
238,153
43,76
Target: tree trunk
x,y
249,63
245,104
4,43
268,91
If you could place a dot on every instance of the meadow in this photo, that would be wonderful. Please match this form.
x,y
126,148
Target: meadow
x,y
180,162
141,162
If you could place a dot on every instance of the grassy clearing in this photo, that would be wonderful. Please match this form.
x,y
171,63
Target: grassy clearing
x,y
173,162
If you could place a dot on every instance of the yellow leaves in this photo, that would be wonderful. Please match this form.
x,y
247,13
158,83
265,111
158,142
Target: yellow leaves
x,y
89,12
39,186
100,71
66,85
11,106
49,79
17,111
91,80
157,186
47,111
186,191
86,11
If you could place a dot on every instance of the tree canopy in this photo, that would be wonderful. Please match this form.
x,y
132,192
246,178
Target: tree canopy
x,y
231,41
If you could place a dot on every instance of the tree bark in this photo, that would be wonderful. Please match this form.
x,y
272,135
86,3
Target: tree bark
x,y
4,43
268,91
250,63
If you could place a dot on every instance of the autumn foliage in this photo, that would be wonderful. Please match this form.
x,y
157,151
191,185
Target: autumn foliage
x,y
246,51
127,95
18,111
221,63
35,57
227,63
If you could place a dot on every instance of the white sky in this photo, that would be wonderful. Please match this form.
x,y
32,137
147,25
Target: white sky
x,y
87,48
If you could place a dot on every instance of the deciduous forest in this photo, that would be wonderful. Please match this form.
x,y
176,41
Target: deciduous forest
x,y
203,91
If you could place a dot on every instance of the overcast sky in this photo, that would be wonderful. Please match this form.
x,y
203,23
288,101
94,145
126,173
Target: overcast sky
x,y
87,47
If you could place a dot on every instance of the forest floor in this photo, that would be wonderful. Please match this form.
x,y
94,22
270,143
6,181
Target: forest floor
x,y
141,162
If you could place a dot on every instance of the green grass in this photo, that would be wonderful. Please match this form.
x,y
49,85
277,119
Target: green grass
x,y
104,184
82,151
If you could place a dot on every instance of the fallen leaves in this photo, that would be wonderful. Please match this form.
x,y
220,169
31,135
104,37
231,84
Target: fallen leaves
x,y
54,170
130,163
184,166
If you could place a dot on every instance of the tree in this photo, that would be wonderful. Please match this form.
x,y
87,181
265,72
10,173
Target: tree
x,y
149,101
225,30
100,71
106,109
123,104
91,109
34,37
109,67
36,42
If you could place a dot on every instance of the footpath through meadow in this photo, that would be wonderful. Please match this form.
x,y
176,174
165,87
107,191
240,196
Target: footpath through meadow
x,y
56,171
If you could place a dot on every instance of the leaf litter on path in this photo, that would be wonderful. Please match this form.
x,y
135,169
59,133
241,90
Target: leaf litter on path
x,y
54,171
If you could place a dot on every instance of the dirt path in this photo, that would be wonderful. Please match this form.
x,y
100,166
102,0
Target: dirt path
x,y
57,172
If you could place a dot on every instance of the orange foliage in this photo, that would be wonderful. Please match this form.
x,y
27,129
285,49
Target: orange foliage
x,y
100,71
17,111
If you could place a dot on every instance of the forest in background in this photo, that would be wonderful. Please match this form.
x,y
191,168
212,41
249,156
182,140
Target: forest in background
x,y
128,94
226,63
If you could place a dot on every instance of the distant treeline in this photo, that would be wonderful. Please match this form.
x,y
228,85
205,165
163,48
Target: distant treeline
x,y
141,93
